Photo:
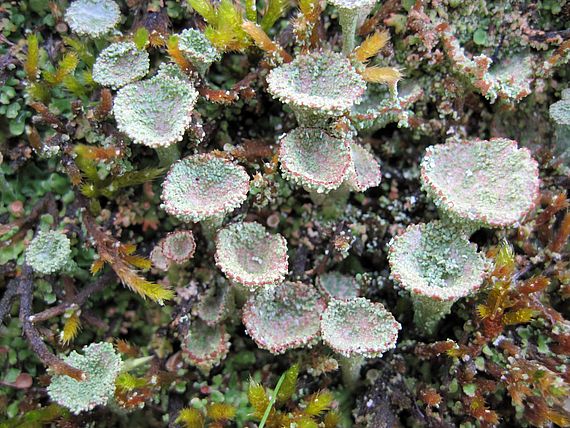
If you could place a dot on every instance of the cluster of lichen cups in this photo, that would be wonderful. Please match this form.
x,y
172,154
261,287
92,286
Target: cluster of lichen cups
x,y
473,184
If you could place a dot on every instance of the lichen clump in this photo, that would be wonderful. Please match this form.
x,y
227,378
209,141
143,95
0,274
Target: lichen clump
x,y
101,365
202,186
119,64
49,252
251,256
93,18
155,112
492,183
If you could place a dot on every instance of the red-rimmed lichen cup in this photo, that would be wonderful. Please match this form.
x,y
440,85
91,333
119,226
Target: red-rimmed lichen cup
x,y
178,246
249,255
284,317
490,183
205,346
437,266
314,159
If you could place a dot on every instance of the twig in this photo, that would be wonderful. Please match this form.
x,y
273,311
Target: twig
x,y
8,298
77,301
33,336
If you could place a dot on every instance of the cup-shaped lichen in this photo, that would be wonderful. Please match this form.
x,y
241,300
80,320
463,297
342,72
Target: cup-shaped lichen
x,y
155,112
351,14
202,187
335,285
119,64
198,49
317,86
364,171
358,329
101,365
49,252
284,317
481,183
314,159
249,255
93,18
437,266
205,346
178,246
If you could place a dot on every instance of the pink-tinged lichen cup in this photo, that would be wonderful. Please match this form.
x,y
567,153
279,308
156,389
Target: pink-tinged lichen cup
x,y
205,346
437,266
335,285
481,183
314,159
357,329
364,171
178,246
249,255
317,86
284,317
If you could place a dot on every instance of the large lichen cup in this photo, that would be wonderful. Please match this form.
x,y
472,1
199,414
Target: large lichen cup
x,y
284,317
203,188
119,64
93,18
358,329
351,14
249,255
317,86
101,364
437,267
314,159
156,112
481,183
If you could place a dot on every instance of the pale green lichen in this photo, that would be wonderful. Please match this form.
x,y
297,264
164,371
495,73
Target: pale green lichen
x,y
358,329
178,246
284,317
437,266
335,285
351,14
247,254
93,18
489,183
205,346
198,49
317,86
364,171
119,64
314,159
101,364
49,252
560,110
155,112
203,186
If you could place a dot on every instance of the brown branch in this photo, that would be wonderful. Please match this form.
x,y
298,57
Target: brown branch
x,y
8,298
33,336
77,301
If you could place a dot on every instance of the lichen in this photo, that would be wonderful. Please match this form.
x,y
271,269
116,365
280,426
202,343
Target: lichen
x,y
49,252
93,18
119,64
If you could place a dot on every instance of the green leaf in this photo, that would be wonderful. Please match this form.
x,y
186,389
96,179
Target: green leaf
x,y
141,38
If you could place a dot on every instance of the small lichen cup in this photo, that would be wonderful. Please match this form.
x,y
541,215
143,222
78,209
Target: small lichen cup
x,y
49,253
249,255
93,18
198,49
119,64
357,329
437,267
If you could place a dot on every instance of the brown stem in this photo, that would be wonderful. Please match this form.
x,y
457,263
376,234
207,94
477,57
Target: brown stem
x,y
8,298
33,336
77,301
